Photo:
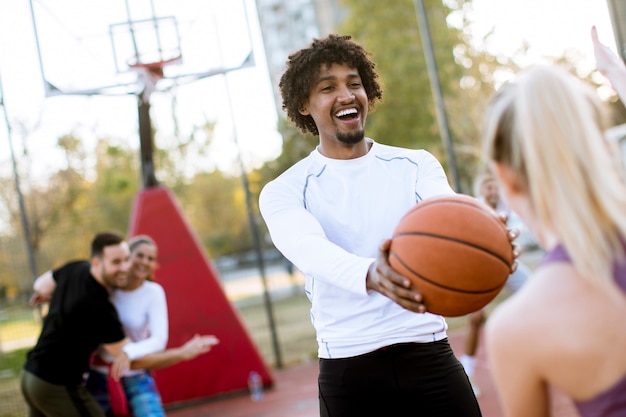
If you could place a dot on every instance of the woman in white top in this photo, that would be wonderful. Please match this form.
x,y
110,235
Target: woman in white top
x,y
142,309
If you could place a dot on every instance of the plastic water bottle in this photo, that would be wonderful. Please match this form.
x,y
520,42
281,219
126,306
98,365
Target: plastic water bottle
x,y
255,384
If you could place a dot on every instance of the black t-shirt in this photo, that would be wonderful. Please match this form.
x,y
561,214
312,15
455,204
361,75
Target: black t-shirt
x,y
80,318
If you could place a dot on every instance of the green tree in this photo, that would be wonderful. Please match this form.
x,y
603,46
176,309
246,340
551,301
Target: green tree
x,y
115,186
86,200
482,73
52,202
214,204
49,204
296,145
467,76
176,156
407,115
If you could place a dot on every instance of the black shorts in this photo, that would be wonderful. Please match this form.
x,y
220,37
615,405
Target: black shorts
x,y
408,379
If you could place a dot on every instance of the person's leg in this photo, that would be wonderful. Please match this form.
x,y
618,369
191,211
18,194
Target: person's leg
x,y
25,386
468,359
51,400
432,382
144,399
414,379
475,323
96,384
360,386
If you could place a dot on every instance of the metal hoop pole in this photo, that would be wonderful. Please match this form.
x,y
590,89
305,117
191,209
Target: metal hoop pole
x,y
146,134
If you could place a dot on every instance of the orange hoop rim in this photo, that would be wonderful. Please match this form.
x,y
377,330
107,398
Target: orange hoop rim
x,y
155,67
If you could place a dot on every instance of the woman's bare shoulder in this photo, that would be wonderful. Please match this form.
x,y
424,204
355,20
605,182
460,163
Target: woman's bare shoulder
x,y
530,313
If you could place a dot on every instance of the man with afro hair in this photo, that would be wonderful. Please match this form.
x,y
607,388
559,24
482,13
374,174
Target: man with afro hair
x,y
332,215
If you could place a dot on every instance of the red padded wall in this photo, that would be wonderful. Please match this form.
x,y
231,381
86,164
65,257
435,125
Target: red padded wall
x,y
196,304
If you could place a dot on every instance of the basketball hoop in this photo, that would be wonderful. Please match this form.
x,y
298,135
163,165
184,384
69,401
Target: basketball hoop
x,y
149,73
155,68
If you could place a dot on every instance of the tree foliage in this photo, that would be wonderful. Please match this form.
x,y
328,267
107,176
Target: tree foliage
x,y
214,204
85,196
407,116
296,145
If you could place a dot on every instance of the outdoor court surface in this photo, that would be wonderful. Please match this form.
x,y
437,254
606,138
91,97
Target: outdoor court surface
x,y
295,394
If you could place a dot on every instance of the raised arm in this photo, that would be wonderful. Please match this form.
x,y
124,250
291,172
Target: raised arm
x,y
43,288
610,65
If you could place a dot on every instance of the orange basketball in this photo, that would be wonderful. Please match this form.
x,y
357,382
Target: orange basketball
x,y
456,252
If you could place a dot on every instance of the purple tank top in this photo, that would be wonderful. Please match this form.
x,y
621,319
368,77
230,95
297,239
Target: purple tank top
x,y
612,402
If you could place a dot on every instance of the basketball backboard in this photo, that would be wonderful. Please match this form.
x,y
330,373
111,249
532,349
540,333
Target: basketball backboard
x,y
89,47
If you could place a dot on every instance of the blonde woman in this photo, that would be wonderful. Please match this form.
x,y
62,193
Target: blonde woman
x,y
544,139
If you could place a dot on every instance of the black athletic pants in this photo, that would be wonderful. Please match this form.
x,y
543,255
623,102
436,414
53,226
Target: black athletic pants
x,y
408,379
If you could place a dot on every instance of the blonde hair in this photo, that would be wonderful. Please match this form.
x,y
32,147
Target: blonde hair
x,y
549,127
140,239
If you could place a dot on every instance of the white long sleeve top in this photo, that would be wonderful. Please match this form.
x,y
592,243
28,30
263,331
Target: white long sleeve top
x,y
143,314
328,217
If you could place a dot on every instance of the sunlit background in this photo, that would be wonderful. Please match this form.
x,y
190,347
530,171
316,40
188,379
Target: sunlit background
x,y
77,156
548,28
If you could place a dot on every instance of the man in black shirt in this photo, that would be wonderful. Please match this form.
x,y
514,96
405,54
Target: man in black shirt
x,y
80,318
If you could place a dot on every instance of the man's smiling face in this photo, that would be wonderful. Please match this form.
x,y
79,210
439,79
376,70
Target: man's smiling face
x,y
338,104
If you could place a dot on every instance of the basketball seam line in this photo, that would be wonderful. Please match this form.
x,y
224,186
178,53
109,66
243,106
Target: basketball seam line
x,y
436,284
428,203
495,255
444,200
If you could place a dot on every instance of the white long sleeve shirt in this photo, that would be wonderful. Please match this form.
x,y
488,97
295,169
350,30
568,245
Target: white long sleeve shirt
x,y
328,217
143,314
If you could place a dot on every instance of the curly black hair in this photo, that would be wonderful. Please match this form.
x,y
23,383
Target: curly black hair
x,y
303,68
